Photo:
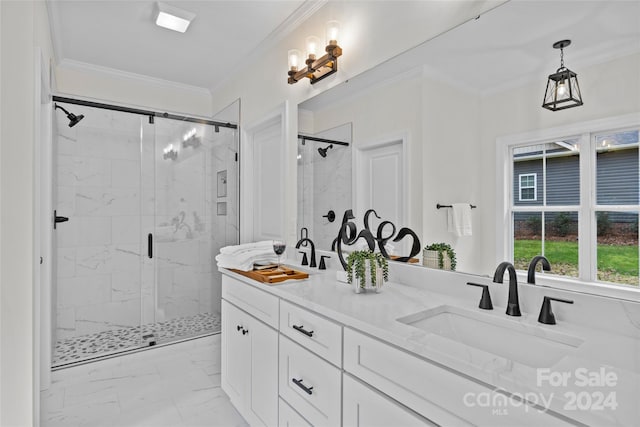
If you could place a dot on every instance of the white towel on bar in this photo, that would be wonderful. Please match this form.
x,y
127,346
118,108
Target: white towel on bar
x,y
459,219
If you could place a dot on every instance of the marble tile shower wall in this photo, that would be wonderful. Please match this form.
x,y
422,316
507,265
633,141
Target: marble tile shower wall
x,y
98,251
324,183
331,191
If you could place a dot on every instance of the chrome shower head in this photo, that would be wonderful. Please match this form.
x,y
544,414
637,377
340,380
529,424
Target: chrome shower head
x,y
73,119
323,151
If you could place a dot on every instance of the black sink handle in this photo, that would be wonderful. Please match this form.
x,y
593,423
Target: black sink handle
x,y
485,300
546,314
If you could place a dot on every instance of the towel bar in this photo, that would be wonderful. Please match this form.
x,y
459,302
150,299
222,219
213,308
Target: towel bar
x,y
449,206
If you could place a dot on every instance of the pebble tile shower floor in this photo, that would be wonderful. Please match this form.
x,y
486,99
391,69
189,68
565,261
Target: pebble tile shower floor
x,y
88,346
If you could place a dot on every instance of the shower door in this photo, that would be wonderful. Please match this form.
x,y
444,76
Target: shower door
x,y
195,215
96,295
150,201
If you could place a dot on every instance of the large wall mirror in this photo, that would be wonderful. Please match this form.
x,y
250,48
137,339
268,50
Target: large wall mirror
x,y
445,103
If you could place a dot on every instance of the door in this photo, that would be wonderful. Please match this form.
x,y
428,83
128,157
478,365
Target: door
x,y
264,372
380,172
380,181
236,354
96,174
193,199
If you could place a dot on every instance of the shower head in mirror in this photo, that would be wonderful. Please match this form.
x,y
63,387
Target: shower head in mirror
x,y
323,151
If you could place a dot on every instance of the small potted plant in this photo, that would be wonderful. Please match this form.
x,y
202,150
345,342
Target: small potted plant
x,y
439,255
370,269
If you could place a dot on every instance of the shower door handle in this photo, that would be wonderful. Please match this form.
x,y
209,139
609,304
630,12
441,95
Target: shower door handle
x,y
150,245
57,219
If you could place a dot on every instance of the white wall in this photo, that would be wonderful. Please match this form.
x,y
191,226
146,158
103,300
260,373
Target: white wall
x,y
383,114
24,27
131,90
369,37
608,89
451,125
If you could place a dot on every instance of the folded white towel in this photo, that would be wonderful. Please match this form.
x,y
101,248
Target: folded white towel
x,y
245,263
459,219
242,257
237,249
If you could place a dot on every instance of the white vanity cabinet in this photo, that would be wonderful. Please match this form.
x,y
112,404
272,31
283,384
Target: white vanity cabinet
x,y
250,353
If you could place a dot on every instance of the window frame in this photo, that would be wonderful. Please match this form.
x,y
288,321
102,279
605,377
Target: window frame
x,y
587,253
535,187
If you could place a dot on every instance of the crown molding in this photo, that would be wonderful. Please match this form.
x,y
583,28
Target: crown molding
x,y
293,21
133,77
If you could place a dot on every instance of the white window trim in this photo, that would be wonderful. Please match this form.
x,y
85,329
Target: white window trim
x,y
504,196
535,187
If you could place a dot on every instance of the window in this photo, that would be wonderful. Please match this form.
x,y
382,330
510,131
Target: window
x,y
575,198
528,187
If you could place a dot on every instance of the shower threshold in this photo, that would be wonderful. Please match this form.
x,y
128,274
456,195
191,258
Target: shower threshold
x,y
88,348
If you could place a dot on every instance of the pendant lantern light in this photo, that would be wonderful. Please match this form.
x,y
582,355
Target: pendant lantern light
x,y
563,90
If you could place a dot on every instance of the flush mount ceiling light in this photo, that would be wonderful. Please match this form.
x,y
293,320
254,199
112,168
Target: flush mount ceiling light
x,y
173,18
316,68
562,90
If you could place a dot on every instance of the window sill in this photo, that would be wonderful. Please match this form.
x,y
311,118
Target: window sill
x,y
623,292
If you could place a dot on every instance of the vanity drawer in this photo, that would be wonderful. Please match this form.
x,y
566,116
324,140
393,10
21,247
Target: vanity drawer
x,y
309,384
363,406
318,334
290,418
259,303
436,393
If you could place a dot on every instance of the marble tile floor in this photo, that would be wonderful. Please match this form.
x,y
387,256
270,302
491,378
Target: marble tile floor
x,y
176,385
107,342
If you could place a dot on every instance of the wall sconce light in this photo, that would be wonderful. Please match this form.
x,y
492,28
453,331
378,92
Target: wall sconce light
x,y
562,90
316,68
190,139
170,153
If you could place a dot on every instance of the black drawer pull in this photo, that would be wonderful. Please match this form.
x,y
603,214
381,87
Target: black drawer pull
x,y
302,386
150,245
302,330
238,327
245,331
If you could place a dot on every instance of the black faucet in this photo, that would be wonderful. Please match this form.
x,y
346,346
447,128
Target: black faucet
x,y
531,273
312,263
513,305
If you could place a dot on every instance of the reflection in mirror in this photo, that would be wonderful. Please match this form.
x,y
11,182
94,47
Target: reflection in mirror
x,y
453,96
324,182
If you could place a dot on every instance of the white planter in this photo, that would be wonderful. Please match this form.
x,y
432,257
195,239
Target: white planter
x,y
369,286
430,259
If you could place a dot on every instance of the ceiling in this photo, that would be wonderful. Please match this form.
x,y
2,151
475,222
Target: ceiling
x,y
121,36
511,45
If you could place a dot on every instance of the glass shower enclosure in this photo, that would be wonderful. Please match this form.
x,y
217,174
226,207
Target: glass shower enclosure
x,y
150,200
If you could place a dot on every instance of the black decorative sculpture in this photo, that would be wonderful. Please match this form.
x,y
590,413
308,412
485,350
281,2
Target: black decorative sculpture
x,y
348,235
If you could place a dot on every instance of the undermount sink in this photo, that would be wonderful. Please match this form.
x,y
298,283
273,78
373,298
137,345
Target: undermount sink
x,y
506,338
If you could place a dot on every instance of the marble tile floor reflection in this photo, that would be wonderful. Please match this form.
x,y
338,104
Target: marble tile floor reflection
x,y
93,345
176,385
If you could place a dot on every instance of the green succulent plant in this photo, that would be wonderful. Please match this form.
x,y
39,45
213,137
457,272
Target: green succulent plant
x,y
357,261
441,248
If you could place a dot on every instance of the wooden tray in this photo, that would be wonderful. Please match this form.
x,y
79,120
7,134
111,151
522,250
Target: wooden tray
x,y
273,275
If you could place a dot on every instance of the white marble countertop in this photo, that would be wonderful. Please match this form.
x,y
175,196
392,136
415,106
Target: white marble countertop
x,y
600,353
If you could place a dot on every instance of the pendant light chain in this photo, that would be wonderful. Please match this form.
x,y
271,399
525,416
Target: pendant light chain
x,y
561,57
